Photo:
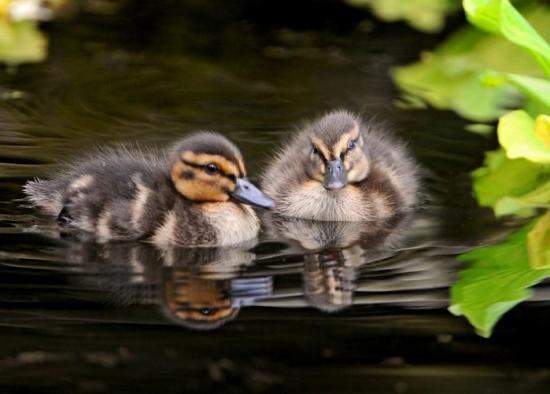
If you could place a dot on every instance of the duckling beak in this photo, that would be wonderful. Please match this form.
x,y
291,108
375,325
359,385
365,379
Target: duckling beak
x,y
335,175
247,193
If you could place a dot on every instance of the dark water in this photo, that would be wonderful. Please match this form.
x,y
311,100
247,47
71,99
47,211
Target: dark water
x,y
309,307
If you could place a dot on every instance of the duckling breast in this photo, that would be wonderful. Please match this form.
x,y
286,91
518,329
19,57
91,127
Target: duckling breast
x,y
233,223
311,200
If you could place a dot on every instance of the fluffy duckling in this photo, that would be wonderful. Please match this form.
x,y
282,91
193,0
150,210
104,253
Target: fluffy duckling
x,y
195,195
343,168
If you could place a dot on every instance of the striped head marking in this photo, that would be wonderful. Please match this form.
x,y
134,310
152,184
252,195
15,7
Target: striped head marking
x,y
206,167
336,152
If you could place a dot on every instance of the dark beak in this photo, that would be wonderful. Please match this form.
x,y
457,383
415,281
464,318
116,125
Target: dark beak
x,y
335,175
247,193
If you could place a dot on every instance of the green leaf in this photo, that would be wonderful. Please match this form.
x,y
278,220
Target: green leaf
x,y
538,243
516,134
501,177
449,82
452,76
535,89
21,42
425,15
542,129
498,278
500,17
538,198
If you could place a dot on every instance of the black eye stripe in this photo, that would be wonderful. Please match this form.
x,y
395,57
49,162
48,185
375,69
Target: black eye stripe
x,y
317,152
231,177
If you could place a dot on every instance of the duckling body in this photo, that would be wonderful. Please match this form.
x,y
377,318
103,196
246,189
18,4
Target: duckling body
x,y
342,168
191,196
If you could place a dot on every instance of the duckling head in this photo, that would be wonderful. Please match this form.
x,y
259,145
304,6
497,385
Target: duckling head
x,y
335,149
207,167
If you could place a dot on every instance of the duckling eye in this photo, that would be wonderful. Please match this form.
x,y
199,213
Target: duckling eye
x,y
314,150
211,168
352,144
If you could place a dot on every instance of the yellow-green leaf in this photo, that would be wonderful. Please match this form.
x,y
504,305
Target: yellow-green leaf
x,y
538,243
21,42
542,128
500,17
525,204
497,279
425,15
516,134
450,77
500,177
536,89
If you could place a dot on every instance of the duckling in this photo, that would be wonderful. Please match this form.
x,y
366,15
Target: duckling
x,y
196,194
343,168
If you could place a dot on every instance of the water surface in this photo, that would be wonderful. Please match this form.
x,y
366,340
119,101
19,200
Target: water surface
x,y
308,306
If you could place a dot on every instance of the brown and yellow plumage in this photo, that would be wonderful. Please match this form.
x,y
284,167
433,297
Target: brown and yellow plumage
x,y
192,195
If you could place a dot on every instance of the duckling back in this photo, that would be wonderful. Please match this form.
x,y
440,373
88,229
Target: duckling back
x,y
116,194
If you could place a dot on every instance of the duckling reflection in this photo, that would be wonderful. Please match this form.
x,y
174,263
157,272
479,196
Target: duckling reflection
x,y
333,251
204,292
329,278
195,301
194,288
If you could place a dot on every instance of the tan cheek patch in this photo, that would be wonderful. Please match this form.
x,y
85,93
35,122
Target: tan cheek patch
x,y
198,190
319,172
198,186
359,169
348,162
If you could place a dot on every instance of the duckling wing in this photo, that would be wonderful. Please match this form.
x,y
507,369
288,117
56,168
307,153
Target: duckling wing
x,y
397,169
109,194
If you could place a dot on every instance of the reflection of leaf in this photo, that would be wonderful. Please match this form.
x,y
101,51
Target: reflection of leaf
x,y
538,243
21,42
516,134
451,77
500,17
497,279
501,177
425,15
